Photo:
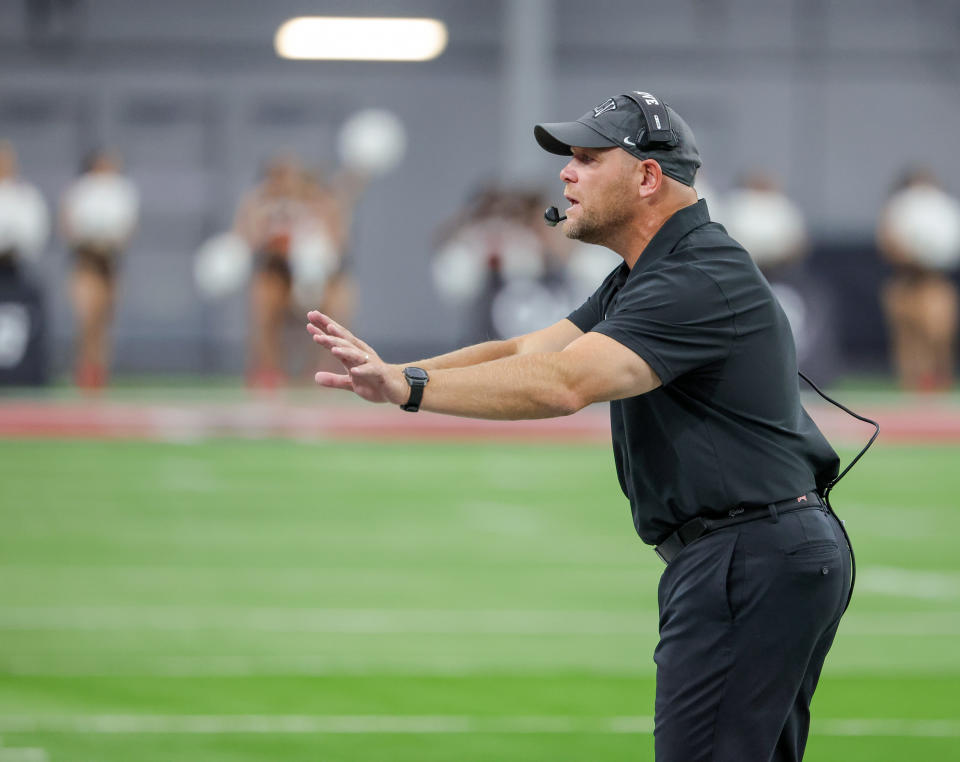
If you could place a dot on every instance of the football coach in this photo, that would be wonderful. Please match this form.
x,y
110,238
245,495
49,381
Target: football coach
x,y
723,468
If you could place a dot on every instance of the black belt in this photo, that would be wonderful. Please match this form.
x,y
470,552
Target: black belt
x,y
696,528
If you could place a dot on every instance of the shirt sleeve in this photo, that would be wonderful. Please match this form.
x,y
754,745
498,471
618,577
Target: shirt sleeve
x,y
677,319
587,315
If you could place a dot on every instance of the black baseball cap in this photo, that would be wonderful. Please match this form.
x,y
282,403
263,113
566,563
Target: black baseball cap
x,y
622,121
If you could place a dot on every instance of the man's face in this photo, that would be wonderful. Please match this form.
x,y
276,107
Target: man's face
x,y
599,183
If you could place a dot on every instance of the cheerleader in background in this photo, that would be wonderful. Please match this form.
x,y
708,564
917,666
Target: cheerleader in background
x,y
98,215
919,235
290,239
24,230
24,218
504,272
297,228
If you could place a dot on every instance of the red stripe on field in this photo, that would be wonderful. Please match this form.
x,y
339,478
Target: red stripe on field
x,y
920,422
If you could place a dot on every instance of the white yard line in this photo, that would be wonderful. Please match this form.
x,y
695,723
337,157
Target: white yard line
x,y
421,724
888,727
22,754
25,754
411,621
910,583
334,665
331,621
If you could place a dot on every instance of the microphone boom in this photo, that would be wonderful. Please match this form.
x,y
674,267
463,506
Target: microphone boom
x,y
553,217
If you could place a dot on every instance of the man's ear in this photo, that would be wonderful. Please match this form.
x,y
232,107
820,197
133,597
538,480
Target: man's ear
x,y
649,177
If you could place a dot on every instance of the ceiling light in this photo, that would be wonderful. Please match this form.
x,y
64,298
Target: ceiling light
x,y
323,38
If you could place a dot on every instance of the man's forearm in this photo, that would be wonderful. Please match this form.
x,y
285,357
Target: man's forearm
x,y
520,387
472,355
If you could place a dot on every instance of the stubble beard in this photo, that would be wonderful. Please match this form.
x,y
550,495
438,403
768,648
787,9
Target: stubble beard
x,y
581,230
597,227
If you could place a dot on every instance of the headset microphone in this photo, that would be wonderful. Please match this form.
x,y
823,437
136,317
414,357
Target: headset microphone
x,y
553,217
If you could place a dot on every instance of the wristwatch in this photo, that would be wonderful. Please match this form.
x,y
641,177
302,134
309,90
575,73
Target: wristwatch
x,y
417,379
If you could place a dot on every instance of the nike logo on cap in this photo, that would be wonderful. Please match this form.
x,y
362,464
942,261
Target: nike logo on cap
x,y
629,142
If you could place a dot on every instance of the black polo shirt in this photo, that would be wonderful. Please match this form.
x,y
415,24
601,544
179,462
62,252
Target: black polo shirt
x,y
726,427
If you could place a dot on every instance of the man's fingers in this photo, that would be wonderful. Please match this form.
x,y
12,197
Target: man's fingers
x,y
338,330
333,380
321,321
328,341
327,325
318,319
350,355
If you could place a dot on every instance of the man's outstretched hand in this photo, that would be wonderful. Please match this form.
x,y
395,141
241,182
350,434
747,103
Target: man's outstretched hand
x,y
366,374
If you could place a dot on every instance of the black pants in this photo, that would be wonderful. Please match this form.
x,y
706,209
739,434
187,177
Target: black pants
x,y
747,615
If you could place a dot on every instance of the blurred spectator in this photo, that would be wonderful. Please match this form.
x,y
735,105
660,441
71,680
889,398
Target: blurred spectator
x,y
24,217
771,227
298,227
98,215
919,235
765,222
24,230
507,271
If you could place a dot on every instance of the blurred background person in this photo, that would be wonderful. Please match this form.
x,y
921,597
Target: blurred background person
x,y
321,248
98,215
24,231
505,271
919,236
24,216
266,219
297,226
767,223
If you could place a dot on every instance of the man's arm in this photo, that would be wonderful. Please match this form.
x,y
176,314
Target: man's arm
x,y
592,368
550,339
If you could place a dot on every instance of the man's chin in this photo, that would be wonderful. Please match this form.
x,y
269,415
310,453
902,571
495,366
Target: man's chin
x,y
577,231
572,228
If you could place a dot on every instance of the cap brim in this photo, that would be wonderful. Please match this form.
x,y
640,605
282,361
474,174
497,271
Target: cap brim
x,y
558,137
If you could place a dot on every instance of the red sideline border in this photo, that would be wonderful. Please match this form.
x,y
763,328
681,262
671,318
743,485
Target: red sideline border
x,y
920,422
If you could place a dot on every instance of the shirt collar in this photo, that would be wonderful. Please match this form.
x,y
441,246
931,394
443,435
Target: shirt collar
x,y
672,232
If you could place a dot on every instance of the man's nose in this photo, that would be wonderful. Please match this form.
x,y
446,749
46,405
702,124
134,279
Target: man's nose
x,y
567,174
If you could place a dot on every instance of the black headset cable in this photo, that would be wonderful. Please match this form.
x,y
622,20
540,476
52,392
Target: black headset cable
x,y
830,486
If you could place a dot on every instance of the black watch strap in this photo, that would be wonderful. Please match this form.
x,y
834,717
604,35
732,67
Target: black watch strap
x,y
417,378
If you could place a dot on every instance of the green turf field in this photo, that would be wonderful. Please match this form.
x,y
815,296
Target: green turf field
x,y
233,600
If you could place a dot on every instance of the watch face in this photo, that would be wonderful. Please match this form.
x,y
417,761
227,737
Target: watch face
x,y
415,374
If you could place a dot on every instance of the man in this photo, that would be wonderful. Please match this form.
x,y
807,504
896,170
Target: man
x,y
720,462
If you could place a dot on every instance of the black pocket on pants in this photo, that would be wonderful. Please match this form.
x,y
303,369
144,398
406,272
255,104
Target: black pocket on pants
x,y
814,548
735,579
